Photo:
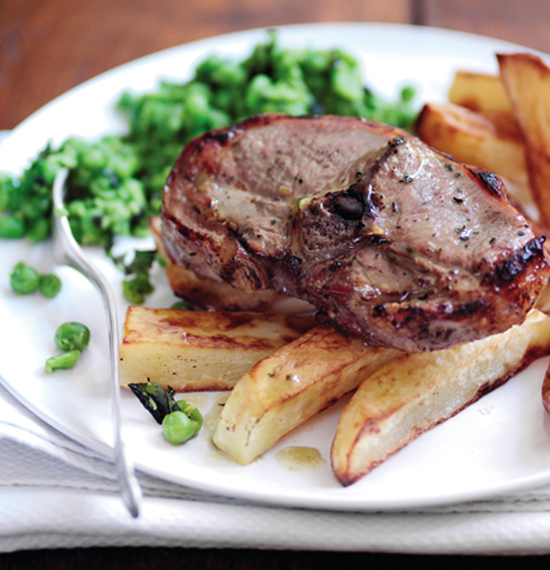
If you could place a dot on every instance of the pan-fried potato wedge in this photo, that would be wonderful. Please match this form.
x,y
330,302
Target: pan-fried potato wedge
x,y
200,351
414,393
491,141
527,81
290,386
479,92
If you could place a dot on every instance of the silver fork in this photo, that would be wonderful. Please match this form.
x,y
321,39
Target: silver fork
x,y
67,252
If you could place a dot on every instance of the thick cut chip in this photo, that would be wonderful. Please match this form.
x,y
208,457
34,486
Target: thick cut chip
x,y
527,81
479,92
491,140
200,351
414,393
290,386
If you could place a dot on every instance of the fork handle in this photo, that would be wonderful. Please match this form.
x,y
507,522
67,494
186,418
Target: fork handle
x,y
73,255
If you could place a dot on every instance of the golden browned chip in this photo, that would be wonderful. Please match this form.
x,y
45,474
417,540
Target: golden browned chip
x,y
290,386
200,351
479,92
491,140
527,81
414,393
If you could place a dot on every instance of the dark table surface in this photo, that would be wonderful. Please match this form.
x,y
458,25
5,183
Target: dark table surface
x,y
49,46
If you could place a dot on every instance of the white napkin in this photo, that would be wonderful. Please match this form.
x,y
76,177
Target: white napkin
x,y
55,493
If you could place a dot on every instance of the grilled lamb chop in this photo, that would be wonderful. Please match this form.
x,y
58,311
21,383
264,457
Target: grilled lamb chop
x,y
387,238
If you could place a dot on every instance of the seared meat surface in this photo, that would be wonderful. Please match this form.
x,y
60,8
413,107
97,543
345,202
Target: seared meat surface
x,y
389,239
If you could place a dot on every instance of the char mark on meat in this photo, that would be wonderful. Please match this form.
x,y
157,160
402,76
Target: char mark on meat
x,y
389,239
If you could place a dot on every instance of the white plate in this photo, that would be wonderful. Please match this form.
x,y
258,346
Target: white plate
x,y
500,444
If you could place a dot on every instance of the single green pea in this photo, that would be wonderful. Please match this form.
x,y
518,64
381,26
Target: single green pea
x,y
192,413
24,280
177,428
92,157
11,227
7,188
134,290
131,294
142,283
49,285
161,260
47,169
39,230
72,336
408,93
62,361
